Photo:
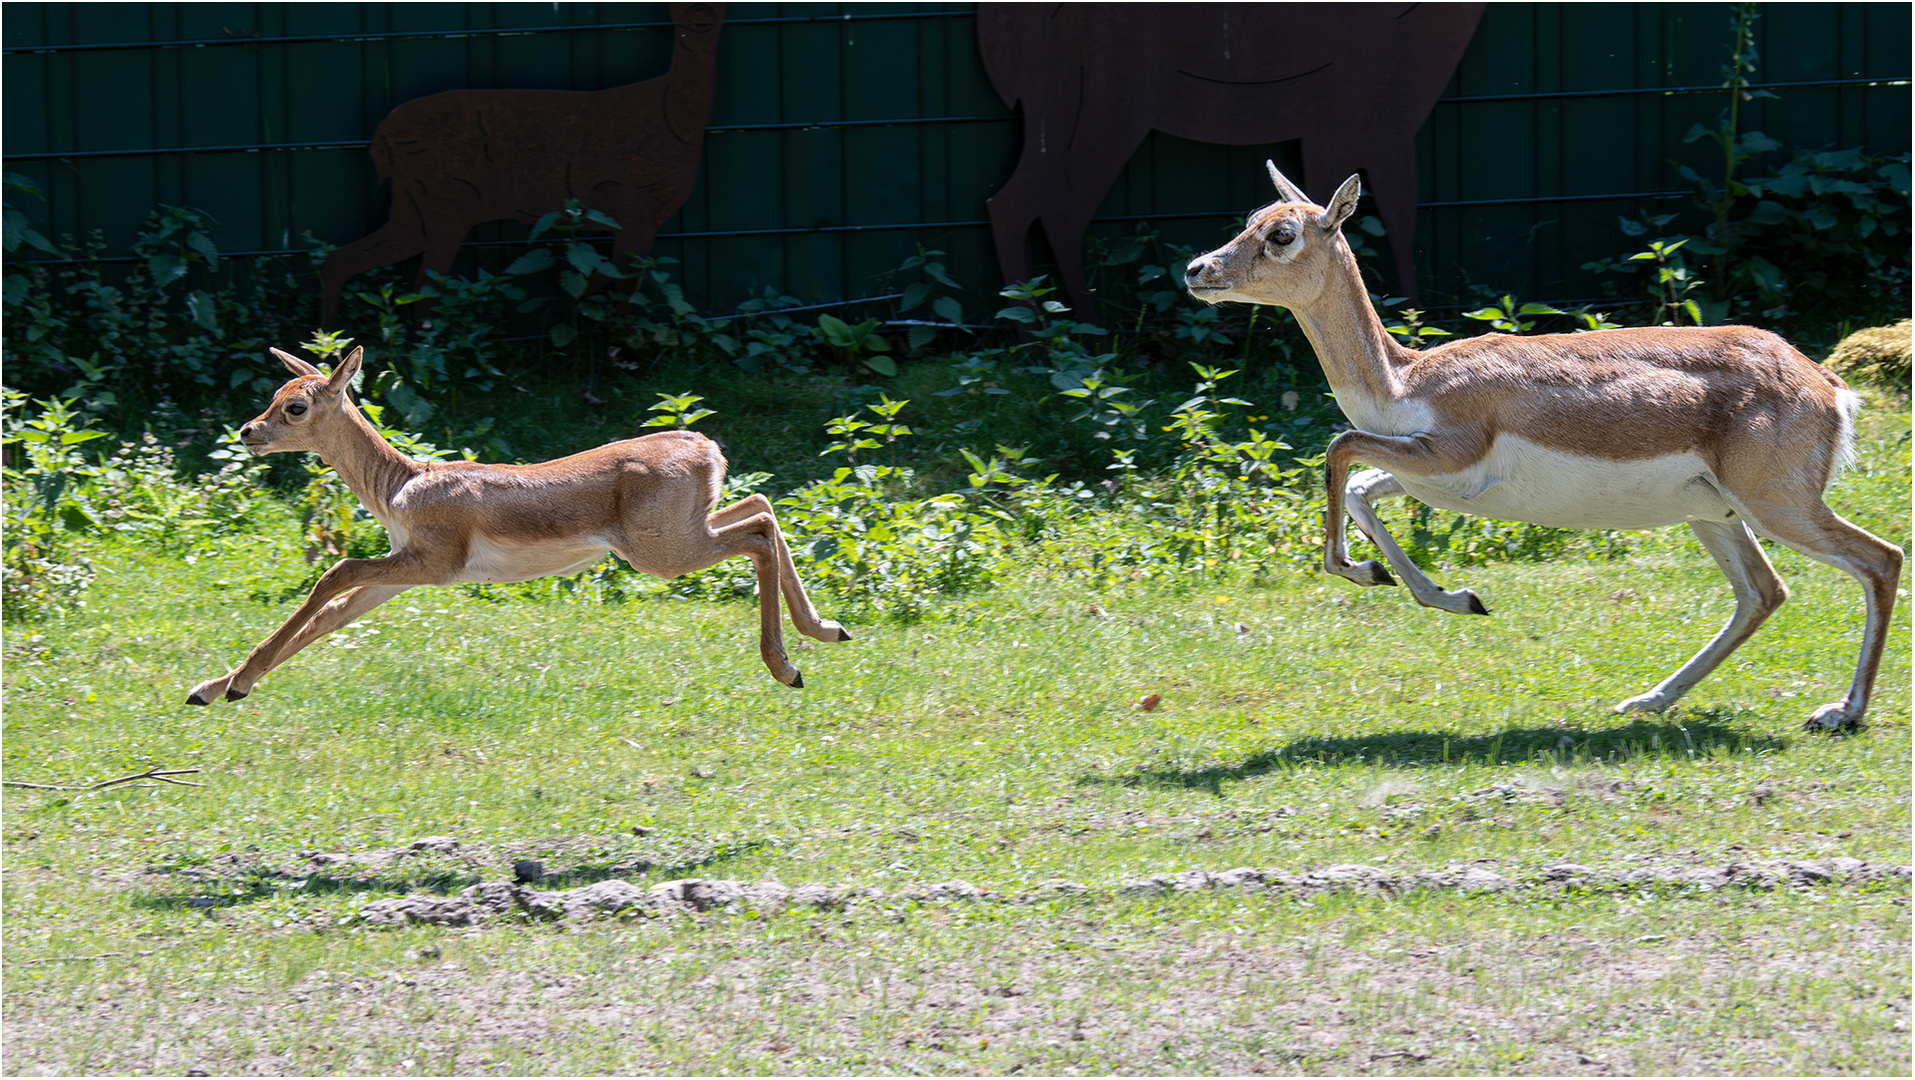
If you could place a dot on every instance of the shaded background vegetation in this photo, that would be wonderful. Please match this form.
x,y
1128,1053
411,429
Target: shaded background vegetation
x,y
927,434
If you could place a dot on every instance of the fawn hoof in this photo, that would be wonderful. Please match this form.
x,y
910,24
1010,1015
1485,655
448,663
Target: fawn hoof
x,y
209,691
843,634
1476,605
235,695
797,680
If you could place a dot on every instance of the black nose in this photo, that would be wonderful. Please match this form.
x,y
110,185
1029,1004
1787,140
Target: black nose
x,y
1195,271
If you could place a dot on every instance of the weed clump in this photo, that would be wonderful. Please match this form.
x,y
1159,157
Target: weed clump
x,y
1879,354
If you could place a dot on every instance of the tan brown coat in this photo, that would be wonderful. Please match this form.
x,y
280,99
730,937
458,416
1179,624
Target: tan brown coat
x,y
648,499
1728,429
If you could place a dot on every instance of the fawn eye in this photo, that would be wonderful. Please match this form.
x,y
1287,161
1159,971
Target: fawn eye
x,y
297,408
1282,236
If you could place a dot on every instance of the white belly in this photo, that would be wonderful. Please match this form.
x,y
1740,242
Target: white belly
x,y
1521,481
495,561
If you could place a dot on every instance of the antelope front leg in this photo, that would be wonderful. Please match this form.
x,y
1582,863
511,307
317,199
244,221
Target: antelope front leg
x,y
336,600
1345,450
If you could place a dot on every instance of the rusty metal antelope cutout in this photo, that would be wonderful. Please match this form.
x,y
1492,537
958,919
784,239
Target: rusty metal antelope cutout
x,y
1354,82
465,157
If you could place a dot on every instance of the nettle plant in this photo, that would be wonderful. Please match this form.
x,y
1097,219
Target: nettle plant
x,y
64,491
871,543
1226,503
1823,223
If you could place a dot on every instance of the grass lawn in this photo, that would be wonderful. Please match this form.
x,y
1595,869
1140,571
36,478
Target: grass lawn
x,y
1301,726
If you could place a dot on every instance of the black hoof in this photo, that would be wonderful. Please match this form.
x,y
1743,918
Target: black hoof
x,y
1369,573
1476,606
195,699
843,634
798,681
235,695
1842,730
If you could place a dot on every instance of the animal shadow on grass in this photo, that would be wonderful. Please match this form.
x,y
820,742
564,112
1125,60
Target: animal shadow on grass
x,y
1699,734
211,888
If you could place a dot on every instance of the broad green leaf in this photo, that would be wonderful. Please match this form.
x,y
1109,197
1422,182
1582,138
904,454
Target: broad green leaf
x,y
948,309
532,262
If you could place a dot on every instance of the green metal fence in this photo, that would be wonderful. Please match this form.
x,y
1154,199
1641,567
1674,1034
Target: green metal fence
x,y
845,135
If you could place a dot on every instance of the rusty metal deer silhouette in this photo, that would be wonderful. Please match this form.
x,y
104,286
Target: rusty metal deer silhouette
x,y
464,157
1354,82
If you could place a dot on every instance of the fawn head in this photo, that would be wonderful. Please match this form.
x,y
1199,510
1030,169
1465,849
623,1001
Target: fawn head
x,y
1286,253
300,410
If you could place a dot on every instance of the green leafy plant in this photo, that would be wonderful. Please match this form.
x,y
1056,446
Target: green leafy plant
x,y
1101,393
49,499
1823,226
762,336
18,231
934,279
60,496
1667,278
580,266
1737,148
677,411
872,546
857,345
1411,330
1509,317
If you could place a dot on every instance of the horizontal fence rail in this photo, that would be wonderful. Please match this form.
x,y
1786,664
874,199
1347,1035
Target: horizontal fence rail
x,y
820,125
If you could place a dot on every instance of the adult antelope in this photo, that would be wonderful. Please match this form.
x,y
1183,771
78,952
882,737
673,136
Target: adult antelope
x,y
648,499
1725,428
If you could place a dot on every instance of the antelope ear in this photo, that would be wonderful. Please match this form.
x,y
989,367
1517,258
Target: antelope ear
x,y
1289,191
341,379
1342,204
295,365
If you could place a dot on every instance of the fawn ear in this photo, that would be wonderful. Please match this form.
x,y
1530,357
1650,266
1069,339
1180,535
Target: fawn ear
x,y
1342,204
295,365
341,380
1289,191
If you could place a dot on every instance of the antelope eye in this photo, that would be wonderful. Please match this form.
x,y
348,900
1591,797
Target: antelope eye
x,y
297,408
1283,235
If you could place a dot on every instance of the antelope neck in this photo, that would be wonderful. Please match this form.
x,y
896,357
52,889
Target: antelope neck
x,y
372,467
1356,352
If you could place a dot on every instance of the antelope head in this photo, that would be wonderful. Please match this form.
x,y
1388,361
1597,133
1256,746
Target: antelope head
x,y
297,417
1285,255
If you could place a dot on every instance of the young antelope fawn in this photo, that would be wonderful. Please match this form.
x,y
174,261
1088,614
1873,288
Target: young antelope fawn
x,y
648,499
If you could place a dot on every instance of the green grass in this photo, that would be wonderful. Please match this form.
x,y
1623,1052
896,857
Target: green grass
x,y
998,742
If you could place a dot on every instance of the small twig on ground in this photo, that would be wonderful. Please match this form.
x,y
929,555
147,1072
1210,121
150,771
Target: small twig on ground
x,y
61,959
100,956
164,775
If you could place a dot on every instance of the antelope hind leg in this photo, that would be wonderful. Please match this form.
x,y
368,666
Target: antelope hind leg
x,y
724,536
1822,535
803,614
1758,592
